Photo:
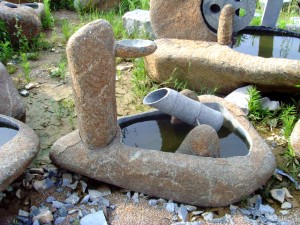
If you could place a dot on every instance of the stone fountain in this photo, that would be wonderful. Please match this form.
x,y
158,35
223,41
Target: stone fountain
x,y
96,150
193,38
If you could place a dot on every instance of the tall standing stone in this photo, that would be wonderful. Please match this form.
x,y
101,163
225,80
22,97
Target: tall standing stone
x,y
91,59
271,13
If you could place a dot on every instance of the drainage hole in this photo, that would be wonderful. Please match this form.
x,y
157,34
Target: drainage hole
x,y
10,5
215,8
240,12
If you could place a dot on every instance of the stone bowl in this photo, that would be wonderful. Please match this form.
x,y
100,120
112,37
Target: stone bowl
x,y
16,154
201,181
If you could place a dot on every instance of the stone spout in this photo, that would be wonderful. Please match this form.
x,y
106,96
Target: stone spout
x,y
173,103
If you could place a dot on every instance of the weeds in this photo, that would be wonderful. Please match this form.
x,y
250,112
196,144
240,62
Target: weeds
x,y
23,41
256,111
288,118
60,71
6,52
129,5
25,65
47,19
68,29
142,85
63,4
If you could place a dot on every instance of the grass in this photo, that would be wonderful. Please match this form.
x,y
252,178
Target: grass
x,y
256,111
60,70
288,118
68,29
6,52
47,19
25,65
142,84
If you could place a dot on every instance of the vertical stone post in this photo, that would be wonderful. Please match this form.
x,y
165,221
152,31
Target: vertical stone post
x,y
90,53
225,27
271,13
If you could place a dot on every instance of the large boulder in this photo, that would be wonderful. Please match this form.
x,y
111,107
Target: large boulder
x,y
10,100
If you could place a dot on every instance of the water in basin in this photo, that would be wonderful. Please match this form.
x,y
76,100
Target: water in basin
x,y
160,134
268,46
7,133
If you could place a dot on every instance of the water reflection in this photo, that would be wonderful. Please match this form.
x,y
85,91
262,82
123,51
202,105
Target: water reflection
x,y
268,46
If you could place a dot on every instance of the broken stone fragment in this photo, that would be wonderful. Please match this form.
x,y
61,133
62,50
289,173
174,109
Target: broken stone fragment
x,y
203,141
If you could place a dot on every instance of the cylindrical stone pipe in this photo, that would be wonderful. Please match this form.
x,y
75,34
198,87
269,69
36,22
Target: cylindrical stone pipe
x,y
225,27
91,59
173,103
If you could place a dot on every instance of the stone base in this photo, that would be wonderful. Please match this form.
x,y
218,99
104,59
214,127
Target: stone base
x,y
18,153
194,180
207,65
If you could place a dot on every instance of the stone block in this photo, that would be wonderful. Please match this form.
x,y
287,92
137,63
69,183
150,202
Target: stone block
x,y
138,22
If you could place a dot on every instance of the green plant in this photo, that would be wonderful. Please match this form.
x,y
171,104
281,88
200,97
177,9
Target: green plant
x,y
62,4
60,70
288,118
115,19
68,29
47,20
256,112
142,85
33,56
129,5
39,43
25,67
11,68
256,21
282,23
6,52
23,45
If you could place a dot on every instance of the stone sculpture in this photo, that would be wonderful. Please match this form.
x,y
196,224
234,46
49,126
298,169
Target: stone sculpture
x,y
188,48
99,153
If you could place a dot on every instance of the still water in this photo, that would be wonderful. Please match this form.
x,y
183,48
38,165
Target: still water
x,y
268,46
6,133
161,135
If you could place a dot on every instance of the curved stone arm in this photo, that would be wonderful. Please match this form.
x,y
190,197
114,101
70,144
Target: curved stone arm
x,y
173,103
